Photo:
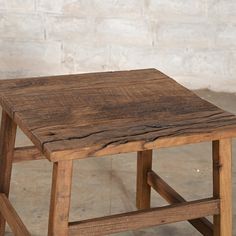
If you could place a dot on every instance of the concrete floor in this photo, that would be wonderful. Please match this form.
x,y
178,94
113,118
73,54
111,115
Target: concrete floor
x,y
107,185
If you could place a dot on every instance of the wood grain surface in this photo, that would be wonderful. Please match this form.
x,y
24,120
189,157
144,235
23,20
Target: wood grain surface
x,y
12,218
7,143
143,189
203,225
60,198
144,218
222,186
96,114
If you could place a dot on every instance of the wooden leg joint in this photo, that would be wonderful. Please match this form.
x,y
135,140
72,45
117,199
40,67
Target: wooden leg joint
x,y
60,198
29,153
12,218
145,218
203,225
222,185
7,143
144,164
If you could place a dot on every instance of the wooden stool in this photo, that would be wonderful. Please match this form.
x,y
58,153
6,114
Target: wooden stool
x,y
80,116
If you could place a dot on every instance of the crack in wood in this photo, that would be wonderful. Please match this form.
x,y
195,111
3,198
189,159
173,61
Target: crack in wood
x,y
73,138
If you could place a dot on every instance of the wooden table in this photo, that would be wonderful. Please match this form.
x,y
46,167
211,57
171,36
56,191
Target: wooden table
x,y
98,114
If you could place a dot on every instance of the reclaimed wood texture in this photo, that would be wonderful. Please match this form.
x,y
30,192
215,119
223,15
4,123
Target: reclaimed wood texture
x,y
144,218
78,116
222,186
7,143
143,189
12,218
60,198
29,153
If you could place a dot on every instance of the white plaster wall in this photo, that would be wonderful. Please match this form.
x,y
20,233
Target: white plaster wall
x,y
194,41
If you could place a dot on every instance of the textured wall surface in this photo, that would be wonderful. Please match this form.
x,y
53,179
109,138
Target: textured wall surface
x,y
192,40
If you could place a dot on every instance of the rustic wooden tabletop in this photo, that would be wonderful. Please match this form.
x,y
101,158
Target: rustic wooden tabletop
x,y
76,116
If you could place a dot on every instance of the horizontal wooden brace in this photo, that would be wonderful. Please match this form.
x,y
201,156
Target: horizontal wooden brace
x,y
203,225
28,153
145,218
12,218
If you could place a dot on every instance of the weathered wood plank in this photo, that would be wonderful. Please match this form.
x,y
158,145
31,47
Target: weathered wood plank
x,y
144,218
60,198
12,218
28,153
203,225
54,152
143,190
222,186
38,85
67,117
7,143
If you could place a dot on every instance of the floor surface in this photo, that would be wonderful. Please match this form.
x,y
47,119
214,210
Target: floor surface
x,y
106,186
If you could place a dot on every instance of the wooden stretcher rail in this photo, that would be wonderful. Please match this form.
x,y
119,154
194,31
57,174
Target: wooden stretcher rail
x,y
27,154
12,218
145,218
203,225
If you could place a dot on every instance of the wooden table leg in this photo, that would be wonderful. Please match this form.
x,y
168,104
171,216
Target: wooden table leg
x,y
7,143
60,198
143,194
222,186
